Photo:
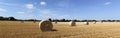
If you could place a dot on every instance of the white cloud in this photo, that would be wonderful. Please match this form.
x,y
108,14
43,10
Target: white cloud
x,y
42,3
20,12
2,10
29,6
107,3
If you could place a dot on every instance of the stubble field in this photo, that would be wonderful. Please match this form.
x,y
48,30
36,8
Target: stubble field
x,y
17,29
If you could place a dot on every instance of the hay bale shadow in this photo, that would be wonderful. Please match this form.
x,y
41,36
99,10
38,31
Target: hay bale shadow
x,y
50,30
54,30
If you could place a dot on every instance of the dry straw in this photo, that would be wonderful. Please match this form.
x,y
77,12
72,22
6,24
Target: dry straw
x,y
45,25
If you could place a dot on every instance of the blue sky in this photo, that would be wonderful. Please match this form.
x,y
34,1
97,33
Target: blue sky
x,y
59,9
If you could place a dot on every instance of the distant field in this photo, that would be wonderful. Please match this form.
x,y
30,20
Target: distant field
x,y
17,29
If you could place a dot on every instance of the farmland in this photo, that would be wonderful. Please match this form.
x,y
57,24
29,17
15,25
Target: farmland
x,y
28,29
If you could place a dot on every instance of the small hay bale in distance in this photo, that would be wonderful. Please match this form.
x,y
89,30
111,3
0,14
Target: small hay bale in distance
x,y
86,23
34,21
22,21
94,22
101,21
55,22
72,23
45,25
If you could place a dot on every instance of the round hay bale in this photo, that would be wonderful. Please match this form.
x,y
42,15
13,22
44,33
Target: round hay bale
x,y
86,23
101,21
94,22
72,23
55,22
46,25
22,21
34,21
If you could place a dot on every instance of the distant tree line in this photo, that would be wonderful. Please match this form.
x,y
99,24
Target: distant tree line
x,y
14,19
53,20
7,18
68,20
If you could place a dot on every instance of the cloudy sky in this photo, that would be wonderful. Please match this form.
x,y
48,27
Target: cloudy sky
x,y
58,9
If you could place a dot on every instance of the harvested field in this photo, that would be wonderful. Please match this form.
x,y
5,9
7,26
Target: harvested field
x,y
16,29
